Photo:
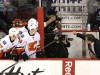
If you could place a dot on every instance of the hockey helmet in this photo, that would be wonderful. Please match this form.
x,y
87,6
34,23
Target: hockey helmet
x,y
13,32
33,21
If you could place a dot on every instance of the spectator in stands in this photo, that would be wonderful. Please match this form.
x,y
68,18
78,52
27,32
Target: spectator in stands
x,y
6,16
10,9
97,13
5,23
91,12
93,44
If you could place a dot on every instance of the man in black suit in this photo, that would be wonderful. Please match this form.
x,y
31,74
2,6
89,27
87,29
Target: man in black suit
x,y
93,43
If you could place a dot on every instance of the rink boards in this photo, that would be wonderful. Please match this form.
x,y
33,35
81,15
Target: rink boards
x,y
50,67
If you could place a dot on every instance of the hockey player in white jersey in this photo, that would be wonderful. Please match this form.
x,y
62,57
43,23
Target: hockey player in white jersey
x,y
31,21
30,42
8,43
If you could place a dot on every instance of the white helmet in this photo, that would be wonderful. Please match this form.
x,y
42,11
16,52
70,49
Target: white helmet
x,y
33,21
13,31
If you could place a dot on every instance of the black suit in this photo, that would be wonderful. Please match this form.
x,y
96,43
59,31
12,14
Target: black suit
x,y
96,44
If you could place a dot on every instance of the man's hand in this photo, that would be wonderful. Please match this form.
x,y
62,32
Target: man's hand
x,y
53,18
93,56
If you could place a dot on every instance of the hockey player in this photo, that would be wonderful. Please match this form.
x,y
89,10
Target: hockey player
x,y
8,43
32,21
30,42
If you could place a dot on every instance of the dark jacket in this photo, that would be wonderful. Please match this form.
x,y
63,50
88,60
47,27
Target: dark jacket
x,y
5,23
96,44
57,50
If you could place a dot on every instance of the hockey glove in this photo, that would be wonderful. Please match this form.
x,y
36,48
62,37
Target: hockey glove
x,y
24,56
40,54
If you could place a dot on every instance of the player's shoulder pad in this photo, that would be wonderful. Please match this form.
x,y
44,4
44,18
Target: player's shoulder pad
x,y
22,35
4,42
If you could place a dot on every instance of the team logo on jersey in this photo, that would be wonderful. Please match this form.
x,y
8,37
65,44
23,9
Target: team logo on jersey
x,y
4,42
22,35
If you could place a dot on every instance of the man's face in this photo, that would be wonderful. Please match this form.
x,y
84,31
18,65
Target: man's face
x,y
14,37
32,31
87,41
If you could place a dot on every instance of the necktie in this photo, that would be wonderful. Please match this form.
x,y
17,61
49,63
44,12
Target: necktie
x,y
90,48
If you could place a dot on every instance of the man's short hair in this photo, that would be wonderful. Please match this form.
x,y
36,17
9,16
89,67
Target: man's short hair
x,y
90,37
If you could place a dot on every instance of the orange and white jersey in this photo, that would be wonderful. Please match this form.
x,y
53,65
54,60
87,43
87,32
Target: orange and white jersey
x,y
30,43
6,44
